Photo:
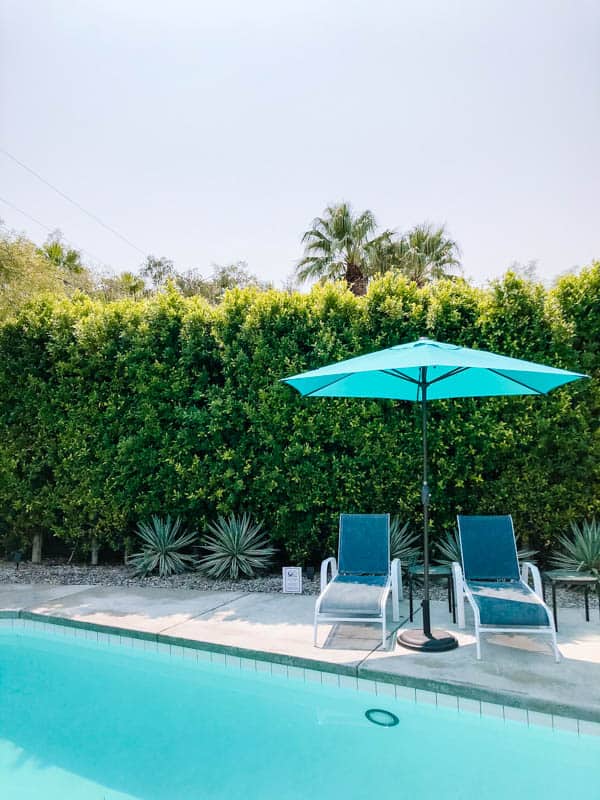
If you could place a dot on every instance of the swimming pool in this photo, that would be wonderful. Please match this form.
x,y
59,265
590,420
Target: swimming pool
x,y
82,720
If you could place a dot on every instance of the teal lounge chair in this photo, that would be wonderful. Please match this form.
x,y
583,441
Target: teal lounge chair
x,y
363,577
496,590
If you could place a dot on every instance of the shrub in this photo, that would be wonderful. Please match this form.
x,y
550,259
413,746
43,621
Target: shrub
x,y
163,542
236,547
110,412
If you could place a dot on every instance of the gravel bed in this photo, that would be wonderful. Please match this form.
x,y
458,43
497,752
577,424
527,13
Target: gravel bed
x,y
58,572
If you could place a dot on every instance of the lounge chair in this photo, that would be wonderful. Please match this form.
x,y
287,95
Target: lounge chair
x,y
496,590
363,577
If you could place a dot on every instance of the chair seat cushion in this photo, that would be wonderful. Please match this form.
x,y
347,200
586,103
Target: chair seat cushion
x,y
354,596
511,604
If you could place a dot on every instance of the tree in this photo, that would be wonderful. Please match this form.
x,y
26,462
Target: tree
x,y
118,287
192,283
234,276
71,270
528,271
130,284
423,254
158,270
63,257
224,277
338,246
24,273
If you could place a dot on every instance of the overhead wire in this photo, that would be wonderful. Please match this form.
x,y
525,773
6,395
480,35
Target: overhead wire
x,y
50,230
90,214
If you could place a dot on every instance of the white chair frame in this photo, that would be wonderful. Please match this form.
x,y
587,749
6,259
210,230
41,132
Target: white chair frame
x,y
461,590
393,585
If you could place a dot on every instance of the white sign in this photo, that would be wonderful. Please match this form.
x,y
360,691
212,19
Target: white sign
x,y
292,580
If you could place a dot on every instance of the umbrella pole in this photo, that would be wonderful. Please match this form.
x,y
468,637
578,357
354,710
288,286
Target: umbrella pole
x,y
425,501
426,640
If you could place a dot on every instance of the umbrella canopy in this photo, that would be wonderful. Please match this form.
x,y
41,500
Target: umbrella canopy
x,y
421,371
450,371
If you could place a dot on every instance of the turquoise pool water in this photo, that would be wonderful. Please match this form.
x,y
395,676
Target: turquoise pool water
x,y
79,721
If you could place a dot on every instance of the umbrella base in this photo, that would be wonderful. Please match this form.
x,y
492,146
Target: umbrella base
x,y
438,642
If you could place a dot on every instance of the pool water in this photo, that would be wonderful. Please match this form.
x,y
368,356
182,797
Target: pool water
x,y
81,721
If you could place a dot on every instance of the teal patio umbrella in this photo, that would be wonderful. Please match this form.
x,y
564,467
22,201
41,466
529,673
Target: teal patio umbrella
x,y
421,371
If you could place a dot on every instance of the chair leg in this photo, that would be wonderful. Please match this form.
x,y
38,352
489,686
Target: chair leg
x,y
459,602
396,595
552,631
383,631
397,591
587,603
555,645
459,595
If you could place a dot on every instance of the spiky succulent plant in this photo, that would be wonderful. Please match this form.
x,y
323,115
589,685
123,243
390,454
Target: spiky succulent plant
x,y
235,546
403,543
581,551
162,543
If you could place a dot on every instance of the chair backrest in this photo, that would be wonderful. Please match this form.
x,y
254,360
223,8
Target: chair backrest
x,y
488,547
364,546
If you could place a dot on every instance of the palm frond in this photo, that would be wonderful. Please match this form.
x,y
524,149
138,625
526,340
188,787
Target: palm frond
x,y
337,245
426,253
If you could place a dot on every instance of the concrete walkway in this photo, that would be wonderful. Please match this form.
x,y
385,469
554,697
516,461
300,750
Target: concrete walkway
x,y
518,670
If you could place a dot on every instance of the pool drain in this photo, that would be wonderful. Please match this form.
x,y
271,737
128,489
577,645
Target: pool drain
x,y
379,716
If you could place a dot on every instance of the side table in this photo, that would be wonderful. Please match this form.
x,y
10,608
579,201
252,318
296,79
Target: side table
x,y
585,579
435,571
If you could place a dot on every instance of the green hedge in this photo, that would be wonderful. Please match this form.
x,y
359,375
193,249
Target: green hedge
x,y
112,412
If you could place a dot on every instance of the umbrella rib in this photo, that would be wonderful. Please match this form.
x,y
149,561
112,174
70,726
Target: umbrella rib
x,y
450,374
395,373
514,380
327,385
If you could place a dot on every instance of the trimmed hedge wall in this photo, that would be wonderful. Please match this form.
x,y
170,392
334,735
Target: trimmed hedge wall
x,y
112,412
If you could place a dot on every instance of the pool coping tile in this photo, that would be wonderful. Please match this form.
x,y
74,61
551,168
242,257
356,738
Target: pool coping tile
x,y
440,694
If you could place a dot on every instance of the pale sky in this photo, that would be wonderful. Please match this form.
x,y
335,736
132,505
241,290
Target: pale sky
x,y
210,132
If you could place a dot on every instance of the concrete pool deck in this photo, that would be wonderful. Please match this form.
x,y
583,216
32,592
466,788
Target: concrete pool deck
x,y
516,670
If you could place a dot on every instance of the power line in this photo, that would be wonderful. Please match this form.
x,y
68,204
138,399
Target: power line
x,y
73,202
49,229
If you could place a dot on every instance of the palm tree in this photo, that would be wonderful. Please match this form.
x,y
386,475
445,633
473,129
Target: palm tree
x,y
61,255
338,246
131,284
425,254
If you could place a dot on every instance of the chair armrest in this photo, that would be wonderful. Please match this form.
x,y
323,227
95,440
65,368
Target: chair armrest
x,y
459,593
530,569
329,562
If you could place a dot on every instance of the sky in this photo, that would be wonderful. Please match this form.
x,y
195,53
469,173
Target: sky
x,y
215,132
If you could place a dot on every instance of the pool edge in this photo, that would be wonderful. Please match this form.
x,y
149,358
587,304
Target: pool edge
x,y
463,697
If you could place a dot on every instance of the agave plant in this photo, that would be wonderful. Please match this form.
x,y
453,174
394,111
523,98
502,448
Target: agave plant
x,y
162,543
402,543
449,549
236,546
581,552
